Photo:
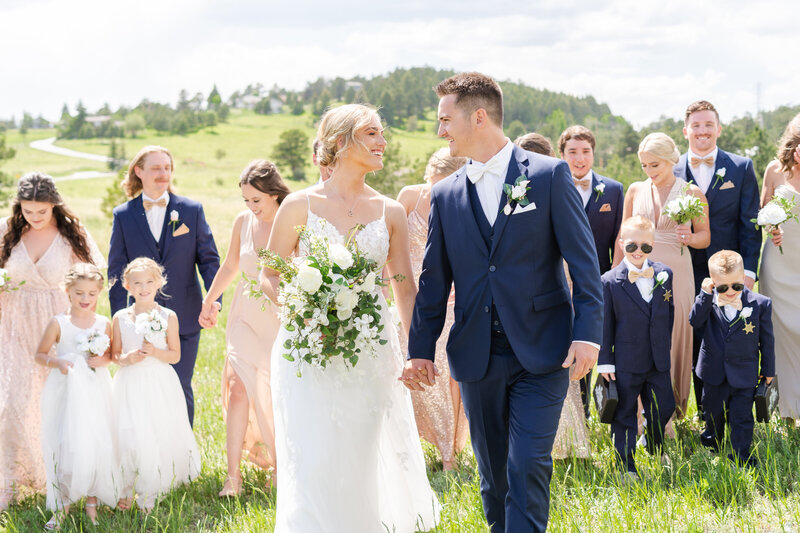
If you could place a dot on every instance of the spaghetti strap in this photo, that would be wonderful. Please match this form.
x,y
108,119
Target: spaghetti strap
x,y
384,207
308,201
419,199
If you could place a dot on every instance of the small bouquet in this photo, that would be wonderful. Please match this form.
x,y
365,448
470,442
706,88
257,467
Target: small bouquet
x,y
94,344
329,299
152,326
777,211
684,208
5,282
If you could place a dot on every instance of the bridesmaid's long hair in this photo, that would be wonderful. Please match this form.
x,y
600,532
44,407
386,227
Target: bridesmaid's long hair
x,y
263,175
39,187
788,143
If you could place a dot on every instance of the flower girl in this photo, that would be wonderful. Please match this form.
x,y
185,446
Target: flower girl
x,y
77,439
157,449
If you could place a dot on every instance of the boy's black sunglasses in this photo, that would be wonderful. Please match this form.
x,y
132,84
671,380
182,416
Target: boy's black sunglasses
x,y
735,286
632,247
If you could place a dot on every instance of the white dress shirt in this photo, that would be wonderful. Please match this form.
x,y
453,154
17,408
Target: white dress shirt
x,y
730,312
703,174
585,194
645,286
155,216
489,178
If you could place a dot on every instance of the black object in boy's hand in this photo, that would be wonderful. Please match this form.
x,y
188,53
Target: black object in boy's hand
x,y
606,399
766,399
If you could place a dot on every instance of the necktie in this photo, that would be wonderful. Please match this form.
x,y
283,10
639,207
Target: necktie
x,y
708,161
475,171
736,304
583,183
646,273
148,204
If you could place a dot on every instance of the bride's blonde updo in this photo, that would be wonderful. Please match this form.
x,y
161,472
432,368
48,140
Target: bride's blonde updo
x,y
660,145
339,125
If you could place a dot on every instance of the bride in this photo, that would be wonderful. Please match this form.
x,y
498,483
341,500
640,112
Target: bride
x,y
345,438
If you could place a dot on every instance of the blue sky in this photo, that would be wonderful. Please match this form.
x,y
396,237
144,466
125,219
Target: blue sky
x,y
644,59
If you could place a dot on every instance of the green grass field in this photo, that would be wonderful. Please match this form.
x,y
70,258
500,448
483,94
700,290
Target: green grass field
x,y
698,492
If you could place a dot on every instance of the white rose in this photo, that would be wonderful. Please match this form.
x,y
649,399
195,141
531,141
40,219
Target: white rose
x,y
662,276
341,256
309,279
600,187
771,215
344,314
173,216
721,172
517,191
368,285
746,312
346,299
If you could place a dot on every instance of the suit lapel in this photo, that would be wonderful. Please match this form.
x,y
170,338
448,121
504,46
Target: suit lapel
x,y
721,162
167,229
515,169
461,194
632,290
739,321
140,219
593,205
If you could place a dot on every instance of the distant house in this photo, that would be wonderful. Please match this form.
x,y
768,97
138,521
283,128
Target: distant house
x,y
355,85
98,120
248,101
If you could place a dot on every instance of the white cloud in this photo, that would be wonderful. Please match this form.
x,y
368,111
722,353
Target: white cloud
x,y
643,60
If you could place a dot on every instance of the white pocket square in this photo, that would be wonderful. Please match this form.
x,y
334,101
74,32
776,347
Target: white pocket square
x,y
522,209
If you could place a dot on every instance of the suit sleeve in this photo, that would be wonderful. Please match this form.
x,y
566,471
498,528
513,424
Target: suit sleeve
x,y
576,244
766,340
701,309
435,281
206,255
606,356
749,235
117,261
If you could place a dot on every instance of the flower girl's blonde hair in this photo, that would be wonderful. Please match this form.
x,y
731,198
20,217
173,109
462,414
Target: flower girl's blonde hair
x,y
83,272
145,264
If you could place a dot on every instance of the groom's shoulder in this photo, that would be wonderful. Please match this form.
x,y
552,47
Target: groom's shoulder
x,y
447,183
123,208
737,160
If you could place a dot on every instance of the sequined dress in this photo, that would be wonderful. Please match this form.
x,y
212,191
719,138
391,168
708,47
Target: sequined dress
x,y
24,314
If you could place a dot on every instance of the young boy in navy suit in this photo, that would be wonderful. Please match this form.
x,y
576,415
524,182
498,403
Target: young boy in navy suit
x,y
738,326
637,335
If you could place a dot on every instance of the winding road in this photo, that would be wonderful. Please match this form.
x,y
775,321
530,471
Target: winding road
x,y
47,145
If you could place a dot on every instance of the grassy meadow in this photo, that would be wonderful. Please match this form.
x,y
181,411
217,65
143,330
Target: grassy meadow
x,y
696,492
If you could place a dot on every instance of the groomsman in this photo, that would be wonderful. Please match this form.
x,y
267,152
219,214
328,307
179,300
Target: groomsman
x,y
730,185
602,200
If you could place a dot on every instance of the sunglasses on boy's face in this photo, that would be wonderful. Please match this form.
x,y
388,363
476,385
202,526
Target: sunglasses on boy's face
x,y
633,246
735,286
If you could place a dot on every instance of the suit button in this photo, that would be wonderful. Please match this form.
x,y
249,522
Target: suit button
x,y
492,268
496,322
728,340
486,309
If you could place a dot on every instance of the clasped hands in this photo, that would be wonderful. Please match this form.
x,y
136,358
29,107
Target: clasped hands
x,y
419,373
208,314
137,356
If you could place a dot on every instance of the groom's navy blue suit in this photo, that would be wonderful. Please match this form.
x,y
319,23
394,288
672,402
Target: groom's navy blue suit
x,y
513,324
181,257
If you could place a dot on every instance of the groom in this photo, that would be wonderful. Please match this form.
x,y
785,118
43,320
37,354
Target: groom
x,y
515,333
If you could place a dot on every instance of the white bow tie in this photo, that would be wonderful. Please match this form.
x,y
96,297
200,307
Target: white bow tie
x,y
475,171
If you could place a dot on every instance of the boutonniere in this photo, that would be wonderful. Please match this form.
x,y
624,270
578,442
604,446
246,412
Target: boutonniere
x,y
720,176
174,218
516,193
744,314
600,190
661,278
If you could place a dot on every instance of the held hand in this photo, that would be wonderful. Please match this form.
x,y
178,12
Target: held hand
x,y
147,349
684,233
777,236
419,372
609,376
132,357
749,283
584,356
768,378
208,315
63,365
97,361
708,285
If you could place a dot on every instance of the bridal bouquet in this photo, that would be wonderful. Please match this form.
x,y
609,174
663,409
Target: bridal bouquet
x,y
330,299
152,326
94,343
684,208
777,211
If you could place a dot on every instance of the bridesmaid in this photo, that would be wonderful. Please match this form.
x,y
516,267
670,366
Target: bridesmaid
x,y
658,154
438,409
572,437
41,240
246,394
779,276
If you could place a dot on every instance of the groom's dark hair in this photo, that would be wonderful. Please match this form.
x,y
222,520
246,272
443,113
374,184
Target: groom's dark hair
x,y
474,91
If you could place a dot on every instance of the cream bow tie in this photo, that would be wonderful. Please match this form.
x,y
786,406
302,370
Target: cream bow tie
x,y
475,171
708,161
736,304
148,204
583,183
646,273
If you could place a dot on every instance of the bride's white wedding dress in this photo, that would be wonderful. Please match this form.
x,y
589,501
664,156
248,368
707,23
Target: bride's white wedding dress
x,y
347,447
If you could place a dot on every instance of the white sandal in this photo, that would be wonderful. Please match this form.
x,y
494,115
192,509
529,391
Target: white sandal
x,y
92,519
54,524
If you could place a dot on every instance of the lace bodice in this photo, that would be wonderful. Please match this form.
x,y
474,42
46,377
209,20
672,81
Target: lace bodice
x,y
373,239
